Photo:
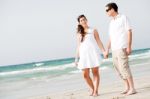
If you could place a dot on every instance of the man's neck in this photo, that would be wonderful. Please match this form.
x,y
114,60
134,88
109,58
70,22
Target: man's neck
x,y
115,15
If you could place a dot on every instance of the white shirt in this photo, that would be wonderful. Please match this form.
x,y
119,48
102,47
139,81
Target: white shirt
x,y
118,29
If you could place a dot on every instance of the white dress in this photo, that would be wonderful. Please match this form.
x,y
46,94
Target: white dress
x,y
89,52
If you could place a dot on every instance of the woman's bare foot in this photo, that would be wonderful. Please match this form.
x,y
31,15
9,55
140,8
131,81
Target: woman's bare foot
x,y
95,94
91,92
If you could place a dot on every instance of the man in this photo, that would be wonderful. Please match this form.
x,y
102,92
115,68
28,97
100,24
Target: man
x,y
120,41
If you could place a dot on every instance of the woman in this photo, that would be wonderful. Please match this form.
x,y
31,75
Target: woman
x,y
88,53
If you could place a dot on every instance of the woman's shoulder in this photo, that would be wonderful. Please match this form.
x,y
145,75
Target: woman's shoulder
x,y
78,34
92,29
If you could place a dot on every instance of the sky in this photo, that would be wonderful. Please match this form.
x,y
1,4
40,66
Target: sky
x,y
39,30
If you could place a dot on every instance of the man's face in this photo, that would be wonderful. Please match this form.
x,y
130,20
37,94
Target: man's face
x,y
109,11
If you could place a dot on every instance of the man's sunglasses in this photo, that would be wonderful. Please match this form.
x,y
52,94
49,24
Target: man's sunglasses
x,y
108,9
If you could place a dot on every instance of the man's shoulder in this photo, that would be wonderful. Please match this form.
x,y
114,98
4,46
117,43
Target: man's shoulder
x,y
123,16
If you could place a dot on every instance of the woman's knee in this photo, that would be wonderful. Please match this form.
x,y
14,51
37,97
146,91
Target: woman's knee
x,y
95,71
86,74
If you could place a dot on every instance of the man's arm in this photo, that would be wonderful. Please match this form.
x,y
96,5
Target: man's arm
x,y
129,49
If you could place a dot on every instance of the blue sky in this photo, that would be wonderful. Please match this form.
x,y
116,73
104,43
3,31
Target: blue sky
x,y
37,30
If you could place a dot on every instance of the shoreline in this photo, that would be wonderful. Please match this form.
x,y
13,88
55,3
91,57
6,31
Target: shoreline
x,y
110,86
73,86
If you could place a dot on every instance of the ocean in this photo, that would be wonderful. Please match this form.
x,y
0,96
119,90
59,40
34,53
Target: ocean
x,y
56,68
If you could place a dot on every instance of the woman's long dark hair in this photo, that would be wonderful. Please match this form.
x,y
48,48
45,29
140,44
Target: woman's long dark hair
x,y
80,28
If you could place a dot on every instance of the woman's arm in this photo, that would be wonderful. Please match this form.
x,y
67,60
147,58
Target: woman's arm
x,y
78,45
108,46
100,44
97,38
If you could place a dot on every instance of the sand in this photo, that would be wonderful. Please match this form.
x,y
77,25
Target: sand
x,y
74,87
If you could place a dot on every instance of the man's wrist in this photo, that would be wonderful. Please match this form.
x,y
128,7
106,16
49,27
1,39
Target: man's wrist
x,y
129,47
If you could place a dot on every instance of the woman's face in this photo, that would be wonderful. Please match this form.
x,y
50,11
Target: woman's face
x,y
83,21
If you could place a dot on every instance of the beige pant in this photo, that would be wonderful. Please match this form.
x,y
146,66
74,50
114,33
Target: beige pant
x,y
120,62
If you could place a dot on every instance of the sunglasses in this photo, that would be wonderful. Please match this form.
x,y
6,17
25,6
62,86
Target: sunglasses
x,y
108,9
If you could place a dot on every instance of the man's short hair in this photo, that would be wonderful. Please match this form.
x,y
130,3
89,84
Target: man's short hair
x,y
112,5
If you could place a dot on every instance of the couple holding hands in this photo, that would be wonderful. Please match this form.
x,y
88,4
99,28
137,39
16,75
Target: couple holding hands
x,y
88,53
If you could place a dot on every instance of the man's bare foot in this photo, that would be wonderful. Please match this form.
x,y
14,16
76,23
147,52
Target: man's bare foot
x,y
131,92
124,92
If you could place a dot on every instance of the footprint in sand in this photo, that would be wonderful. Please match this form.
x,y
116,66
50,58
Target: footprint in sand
x,y
118,97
